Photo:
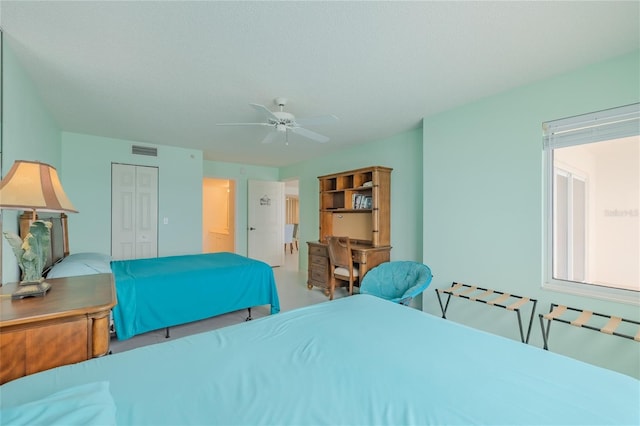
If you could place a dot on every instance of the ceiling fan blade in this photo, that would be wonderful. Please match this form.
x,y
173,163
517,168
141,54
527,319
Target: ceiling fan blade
x,y
244,124
270,137
266,111
309,134
317,121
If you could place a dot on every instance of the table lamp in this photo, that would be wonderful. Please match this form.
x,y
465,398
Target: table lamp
x,y
34,186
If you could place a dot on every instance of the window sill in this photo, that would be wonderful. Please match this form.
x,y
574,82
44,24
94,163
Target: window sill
x,y
598,292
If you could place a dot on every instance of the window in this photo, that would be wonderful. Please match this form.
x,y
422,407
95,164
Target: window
x,y
592,203
569,225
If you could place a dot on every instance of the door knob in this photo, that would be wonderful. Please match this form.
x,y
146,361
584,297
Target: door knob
x,y
252,228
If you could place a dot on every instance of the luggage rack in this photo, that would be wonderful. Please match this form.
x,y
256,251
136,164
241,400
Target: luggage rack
x,y
469,292
557,311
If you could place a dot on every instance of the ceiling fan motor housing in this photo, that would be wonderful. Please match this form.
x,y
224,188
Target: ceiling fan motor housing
x,y
281,102
283,118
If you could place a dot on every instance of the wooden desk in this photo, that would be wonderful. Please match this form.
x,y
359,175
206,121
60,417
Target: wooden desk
x,y
68,325
366,257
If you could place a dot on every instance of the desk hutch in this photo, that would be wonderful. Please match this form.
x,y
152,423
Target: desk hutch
x,y
357,204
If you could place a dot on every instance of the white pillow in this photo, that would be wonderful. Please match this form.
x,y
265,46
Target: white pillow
x,y
81,264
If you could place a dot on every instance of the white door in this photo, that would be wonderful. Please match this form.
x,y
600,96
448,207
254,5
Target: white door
x,y
134,211
265,219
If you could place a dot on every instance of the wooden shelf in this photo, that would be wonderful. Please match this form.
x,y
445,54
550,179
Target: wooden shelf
x,y
357,204
342,197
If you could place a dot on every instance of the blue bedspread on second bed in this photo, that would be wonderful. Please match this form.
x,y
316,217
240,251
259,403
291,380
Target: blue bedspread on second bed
x,y
162,292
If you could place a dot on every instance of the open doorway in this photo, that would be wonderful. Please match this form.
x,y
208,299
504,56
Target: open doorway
x,y
218,215
292,224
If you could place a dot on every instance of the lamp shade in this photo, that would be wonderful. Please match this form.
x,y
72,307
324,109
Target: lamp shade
x,y
31,185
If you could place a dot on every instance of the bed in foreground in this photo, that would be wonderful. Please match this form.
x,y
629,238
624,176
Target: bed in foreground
x,y
359,360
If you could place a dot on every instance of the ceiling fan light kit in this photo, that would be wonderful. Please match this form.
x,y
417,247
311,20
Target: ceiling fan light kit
x,y
283,122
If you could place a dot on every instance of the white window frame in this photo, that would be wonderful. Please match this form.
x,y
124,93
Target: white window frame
x,y
572,175
594,127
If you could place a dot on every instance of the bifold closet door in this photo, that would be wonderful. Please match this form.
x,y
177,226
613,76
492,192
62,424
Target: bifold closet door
x,y
134,211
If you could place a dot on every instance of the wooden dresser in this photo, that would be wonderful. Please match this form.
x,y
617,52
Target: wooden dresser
x,y
68,325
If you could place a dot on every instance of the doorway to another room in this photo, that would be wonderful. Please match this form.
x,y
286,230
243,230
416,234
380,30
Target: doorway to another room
x,y
292,225
218,215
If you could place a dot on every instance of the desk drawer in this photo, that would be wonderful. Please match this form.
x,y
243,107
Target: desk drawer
x,y
319,275
318,261
315,250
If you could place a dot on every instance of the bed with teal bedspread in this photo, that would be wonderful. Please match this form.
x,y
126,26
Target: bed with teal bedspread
x,y
358,360
167,291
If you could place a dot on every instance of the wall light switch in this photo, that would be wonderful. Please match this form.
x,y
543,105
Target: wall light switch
x,y
165,220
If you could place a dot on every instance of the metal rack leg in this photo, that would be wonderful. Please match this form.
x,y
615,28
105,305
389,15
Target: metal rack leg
x,y
520,326
533,311
545,333
443,308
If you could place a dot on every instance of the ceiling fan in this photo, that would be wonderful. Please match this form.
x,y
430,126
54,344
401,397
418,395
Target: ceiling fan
x,y
285,122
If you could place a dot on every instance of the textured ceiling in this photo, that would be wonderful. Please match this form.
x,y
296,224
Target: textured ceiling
x,y
167,72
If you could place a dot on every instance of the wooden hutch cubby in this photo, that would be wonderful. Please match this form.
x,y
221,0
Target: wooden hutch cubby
x,y
357,204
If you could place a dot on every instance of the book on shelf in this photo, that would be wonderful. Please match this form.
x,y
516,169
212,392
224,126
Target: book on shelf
x,y
361,201
367,202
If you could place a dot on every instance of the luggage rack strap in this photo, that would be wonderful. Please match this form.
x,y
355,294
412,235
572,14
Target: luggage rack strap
x,y
470,292
612,325
556,313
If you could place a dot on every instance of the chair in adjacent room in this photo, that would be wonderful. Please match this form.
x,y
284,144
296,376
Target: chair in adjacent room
x,y
295,235
398,281
289,229
341,263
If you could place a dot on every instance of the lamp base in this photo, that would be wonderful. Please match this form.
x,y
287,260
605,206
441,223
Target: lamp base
x,y
30,289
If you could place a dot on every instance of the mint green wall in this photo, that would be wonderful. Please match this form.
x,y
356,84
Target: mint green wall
x,y
86,161
480,191
241,174
403,153
29,133
483,193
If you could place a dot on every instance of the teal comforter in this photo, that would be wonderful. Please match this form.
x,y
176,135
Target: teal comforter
x,y
163,292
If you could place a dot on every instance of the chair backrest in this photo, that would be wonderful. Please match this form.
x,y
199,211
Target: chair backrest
x,y
288,233
340,251
398,281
